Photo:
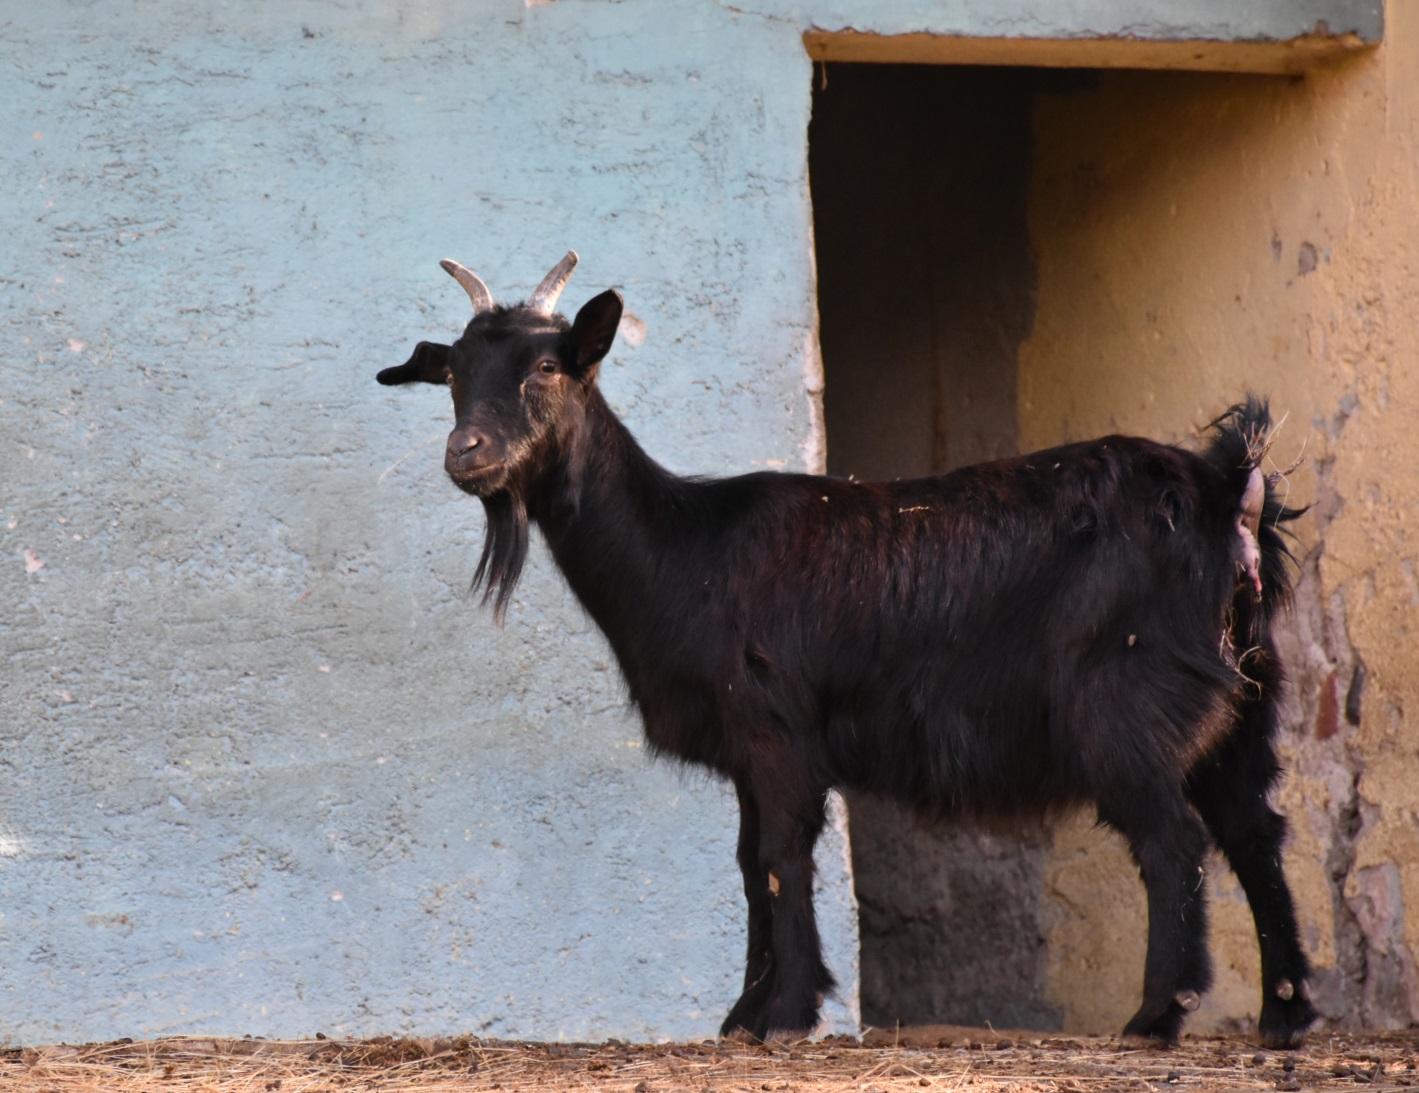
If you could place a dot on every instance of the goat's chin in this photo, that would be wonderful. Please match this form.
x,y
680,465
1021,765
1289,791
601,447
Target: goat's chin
x,y
481,482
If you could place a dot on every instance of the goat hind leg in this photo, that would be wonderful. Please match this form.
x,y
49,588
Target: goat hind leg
x,y
1168,842
1229,790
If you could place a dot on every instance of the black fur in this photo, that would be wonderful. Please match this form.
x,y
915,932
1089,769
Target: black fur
x,y
1069,628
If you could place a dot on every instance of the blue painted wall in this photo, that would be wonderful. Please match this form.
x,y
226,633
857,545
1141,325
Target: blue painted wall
x,y
265,767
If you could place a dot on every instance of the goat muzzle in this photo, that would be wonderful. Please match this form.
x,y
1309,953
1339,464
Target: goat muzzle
x,y
470,458
463,441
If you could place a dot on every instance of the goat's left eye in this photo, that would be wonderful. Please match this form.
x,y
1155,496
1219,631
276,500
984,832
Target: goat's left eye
x,y
547,367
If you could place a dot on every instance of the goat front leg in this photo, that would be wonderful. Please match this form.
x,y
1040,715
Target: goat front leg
x,y
747,1014
784,1002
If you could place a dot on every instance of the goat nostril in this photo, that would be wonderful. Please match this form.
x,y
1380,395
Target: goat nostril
x,y
463,445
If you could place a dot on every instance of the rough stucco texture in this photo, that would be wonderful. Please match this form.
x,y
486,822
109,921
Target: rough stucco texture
x,y
267,768
1198,236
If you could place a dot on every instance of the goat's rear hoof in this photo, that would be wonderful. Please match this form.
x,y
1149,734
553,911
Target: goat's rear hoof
x,y
1283,1024
1146,1030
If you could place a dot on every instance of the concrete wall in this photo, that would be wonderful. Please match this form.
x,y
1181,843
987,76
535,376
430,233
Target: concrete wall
x,y
1201,235
267,769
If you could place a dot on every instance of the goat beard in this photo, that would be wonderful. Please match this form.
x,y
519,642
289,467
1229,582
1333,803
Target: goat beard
x,y
504,550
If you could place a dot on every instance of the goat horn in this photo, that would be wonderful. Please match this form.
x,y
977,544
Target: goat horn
x,y
472,284
548,292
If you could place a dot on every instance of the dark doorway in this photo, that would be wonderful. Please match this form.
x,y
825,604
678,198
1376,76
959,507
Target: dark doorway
x,y
925,291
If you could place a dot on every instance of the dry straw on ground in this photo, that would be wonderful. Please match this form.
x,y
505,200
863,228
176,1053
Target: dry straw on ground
x,y
939,1058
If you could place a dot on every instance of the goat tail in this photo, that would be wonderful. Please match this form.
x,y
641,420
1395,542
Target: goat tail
x,y
1240,440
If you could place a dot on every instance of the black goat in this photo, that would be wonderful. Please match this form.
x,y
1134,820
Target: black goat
x,y
1086,625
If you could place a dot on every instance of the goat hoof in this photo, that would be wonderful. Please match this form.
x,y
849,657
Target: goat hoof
x,y
1149,1031
1284,1039
1283,1023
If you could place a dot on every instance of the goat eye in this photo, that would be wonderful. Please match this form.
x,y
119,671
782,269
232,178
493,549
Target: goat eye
x,y
547,367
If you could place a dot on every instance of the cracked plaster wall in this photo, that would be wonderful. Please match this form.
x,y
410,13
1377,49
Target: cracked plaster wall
x,y
1198,236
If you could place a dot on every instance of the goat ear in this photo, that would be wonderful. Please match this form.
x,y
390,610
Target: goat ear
x,y
595,327
429,364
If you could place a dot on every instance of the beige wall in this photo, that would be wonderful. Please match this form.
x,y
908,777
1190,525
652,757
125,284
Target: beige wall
x,y
1199,235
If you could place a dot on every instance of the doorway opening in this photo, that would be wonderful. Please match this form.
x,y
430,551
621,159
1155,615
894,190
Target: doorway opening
x,y
1011,258
920,177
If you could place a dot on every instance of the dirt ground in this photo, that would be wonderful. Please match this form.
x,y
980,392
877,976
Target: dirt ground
x,y
938,1057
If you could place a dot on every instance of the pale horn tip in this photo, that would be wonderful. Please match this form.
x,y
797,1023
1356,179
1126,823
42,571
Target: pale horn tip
x,y
478,293
544,298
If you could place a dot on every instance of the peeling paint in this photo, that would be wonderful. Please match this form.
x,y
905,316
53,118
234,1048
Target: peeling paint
x,y
1390,996
814,448
12,845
